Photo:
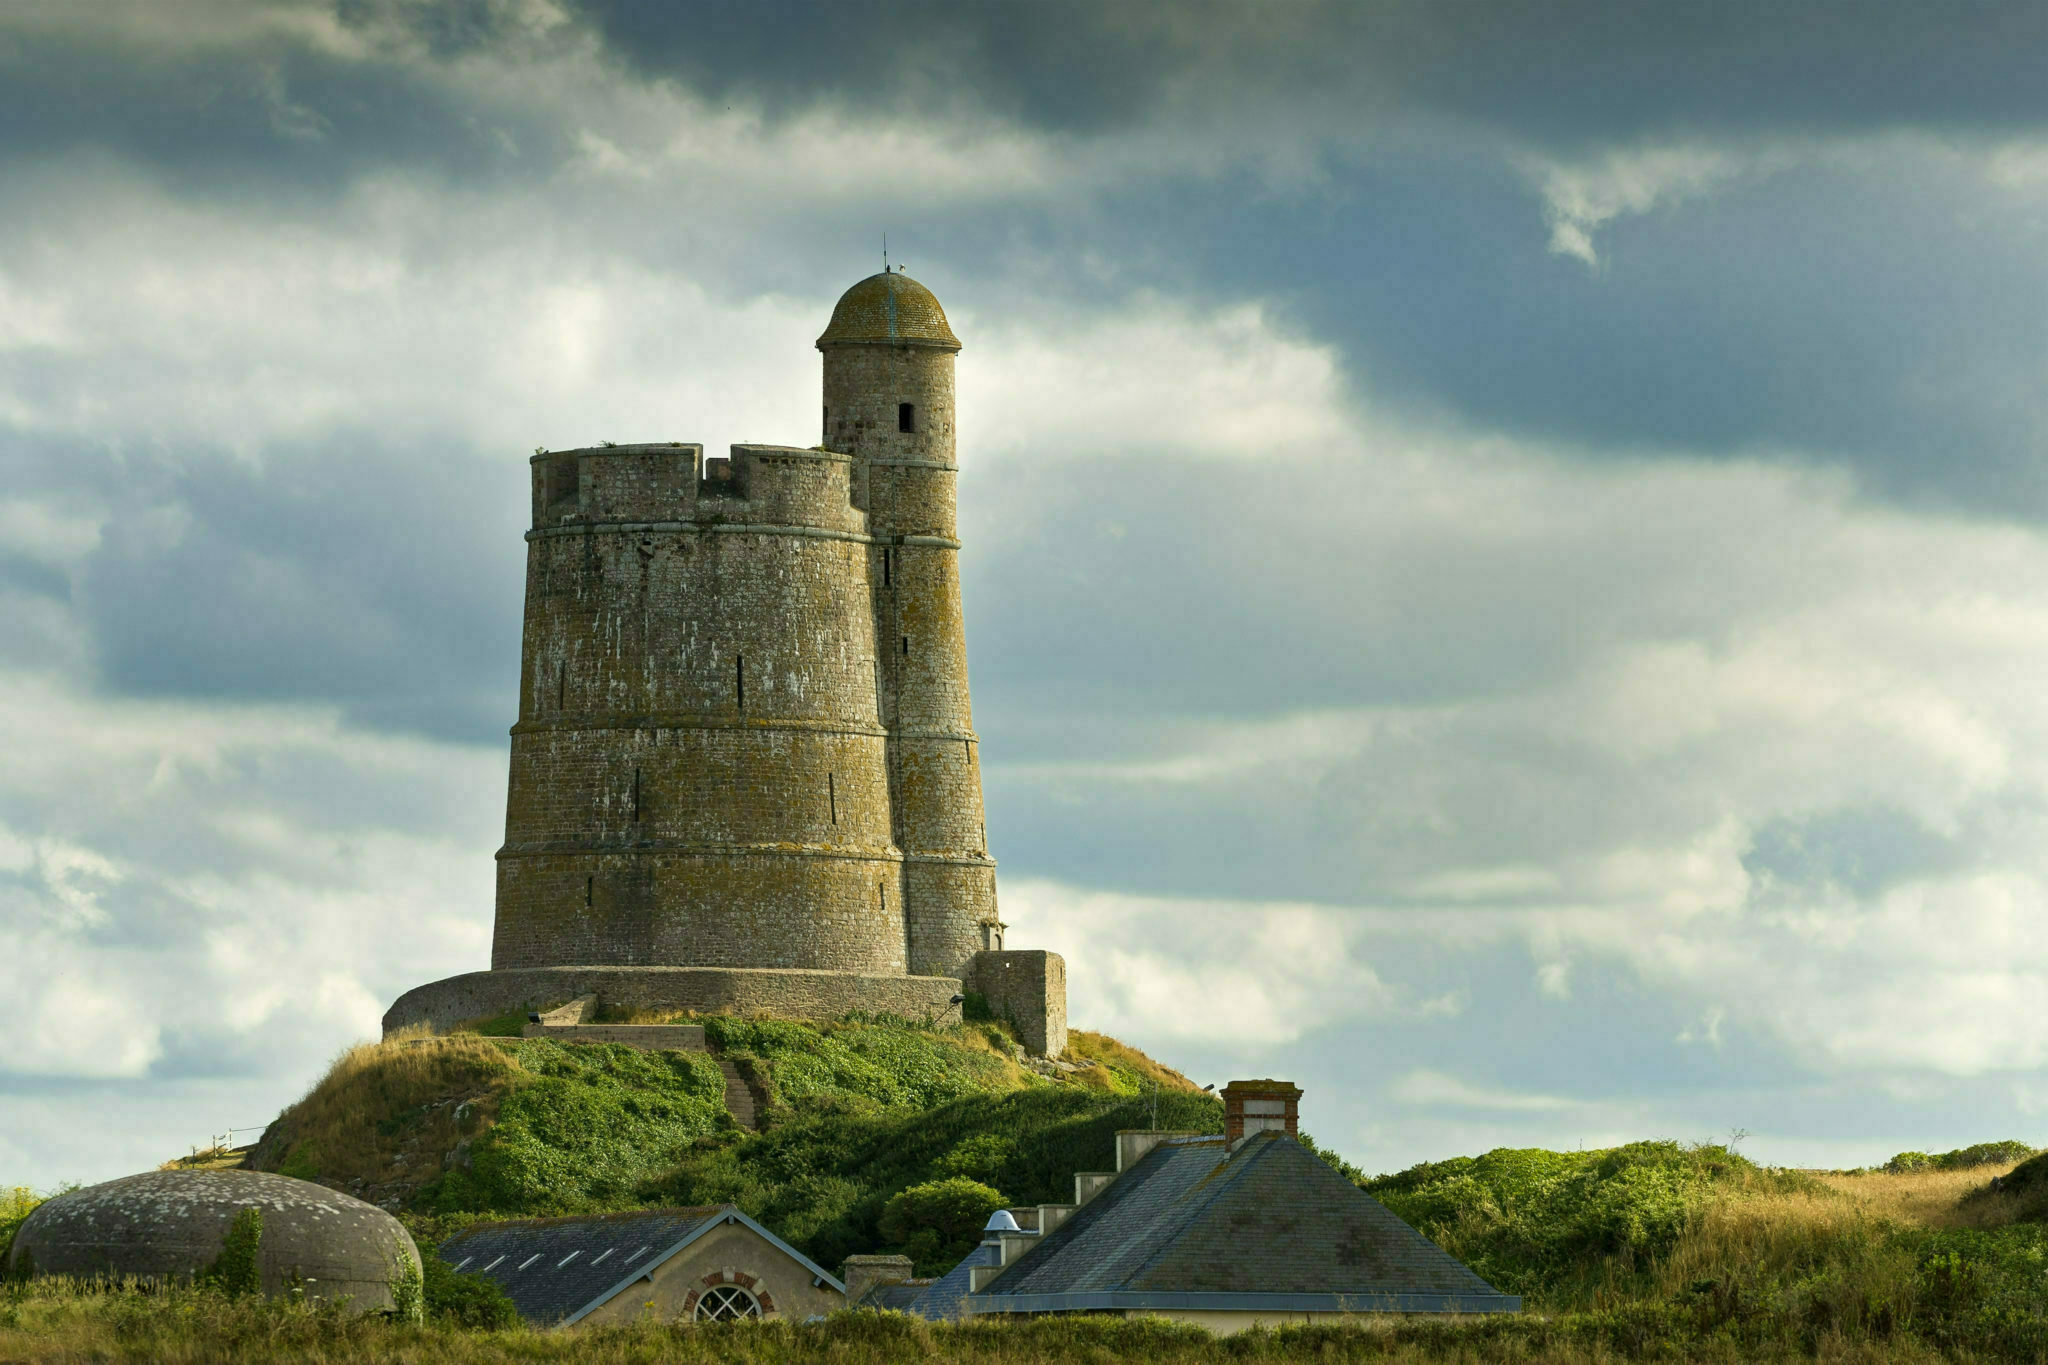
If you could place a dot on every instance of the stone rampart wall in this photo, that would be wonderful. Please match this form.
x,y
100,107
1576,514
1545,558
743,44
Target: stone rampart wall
x,y
441,1005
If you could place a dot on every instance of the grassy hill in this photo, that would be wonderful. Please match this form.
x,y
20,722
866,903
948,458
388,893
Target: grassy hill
x,y
1652,1250
450,1129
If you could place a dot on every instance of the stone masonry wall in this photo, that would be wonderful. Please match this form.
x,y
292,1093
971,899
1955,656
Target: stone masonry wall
x,y
1029,988
441,1005
700,775
913,574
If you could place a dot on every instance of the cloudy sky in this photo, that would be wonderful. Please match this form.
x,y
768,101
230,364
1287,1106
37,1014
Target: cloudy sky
x,y
1506,544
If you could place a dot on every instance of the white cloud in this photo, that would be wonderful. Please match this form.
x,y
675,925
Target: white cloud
x,y
1581,198
1434,1089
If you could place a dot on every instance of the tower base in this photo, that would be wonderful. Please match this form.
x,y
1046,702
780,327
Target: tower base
x,y
1029,994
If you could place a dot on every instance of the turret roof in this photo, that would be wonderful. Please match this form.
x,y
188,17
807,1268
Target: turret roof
x,y
889,309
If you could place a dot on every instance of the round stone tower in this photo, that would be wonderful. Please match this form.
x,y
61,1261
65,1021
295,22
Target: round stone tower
x,y
889,404
745,773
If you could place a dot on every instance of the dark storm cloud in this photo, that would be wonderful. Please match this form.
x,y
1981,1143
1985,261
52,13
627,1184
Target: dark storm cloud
x,y
273,117
354,573
1564,72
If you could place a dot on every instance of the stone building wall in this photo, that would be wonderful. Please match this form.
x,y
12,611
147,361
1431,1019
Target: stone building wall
x,y
733,1254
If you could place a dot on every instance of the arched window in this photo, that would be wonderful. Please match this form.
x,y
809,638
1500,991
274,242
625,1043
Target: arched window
x,y
727,1303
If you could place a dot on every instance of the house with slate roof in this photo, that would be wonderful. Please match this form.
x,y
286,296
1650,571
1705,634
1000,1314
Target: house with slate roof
x,y
715,1264
1228,1232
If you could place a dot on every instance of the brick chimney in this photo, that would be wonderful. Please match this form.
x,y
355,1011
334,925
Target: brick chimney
x,y
1259,1107
863,1273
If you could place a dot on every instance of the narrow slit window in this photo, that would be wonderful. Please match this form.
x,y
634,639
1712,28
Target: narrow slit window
x,y
589,884
906,646
906,417
636,796
832,795
828,419
888,567
561,684
739,676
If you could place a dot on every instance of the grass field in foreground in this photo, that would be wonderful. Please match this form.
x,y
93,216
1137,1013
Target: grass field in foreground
x,y
1920,1266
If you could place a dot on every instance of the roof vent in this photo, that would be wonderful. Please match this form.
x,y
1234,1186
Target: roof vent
x,y
1001,1221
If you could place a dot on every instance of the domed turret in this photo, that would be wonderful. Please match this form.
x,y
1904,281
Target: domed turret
x,y
889,309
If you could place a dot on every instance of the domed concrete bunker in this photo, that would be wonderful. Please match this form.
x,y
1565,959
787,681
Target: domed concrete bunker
x,y
173,1224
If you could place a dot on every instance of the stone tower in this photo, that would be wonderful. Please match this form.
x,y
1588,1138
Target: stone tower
x,y
744,773
889,404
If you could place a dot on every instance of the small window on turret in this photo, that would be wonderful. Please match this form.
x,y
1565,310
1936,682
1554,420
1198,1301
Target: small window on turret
x,y
906,417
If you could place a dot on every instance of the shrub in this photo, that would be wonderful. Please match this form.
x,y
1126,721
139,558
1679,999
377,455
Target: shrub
x,y
593,1123
820,1177
464,1300
940,1221
1536,1222
237,1269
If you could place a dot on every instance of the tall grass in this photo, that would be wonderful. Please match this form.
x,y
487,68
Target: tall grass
x,y
53,1321
387,1106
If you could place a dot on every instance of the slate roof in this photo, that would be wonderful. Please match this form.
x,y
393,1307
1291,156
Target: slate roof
x,y
942,1300
555,1270
1269,1225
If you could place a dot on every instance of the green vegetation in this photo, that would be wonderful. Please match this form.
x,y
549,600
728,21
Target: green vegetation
x,y
822,1176
852,1114
886,1135
1551,1224
799,1066
1708,1254
939,1222
1962,1158
17,1202
583,1128
237,1270
53,1320
459,1300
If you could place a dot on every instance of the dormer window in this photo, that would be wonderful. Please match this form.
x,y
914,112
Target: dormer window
x,y
906,417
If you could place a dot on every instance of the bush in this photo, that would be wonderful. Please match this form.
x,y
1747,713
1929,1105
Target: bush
x,y
596,1121
888,1066
821,1177
16,1204
238,1270
464,1300
1531,1221
938,1222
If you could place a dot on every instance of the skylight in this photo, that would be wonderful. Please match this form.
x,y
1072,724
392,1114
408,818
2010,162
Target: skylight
x,y
528,1261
